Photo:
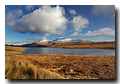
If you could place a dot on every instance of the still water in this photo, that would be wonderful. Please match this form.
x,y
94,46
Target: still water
x,y
41,50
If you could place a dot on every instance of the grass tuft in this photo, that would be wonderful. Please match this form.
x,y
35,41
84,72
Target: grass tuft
x,y
18,69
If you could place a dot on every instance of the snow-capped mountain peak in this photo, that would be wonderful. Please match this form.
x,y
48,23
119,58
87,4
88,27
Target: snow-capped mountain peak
x,y
62,39
44,41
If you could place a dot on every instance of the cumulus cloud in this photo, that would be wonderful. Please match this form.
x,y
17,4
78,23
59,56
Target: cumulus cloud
x,y
79,23
103,9
74,34
29,7
47,34
43,20
40,38
9,20
18,12
104,31
100,38
10,17
73,12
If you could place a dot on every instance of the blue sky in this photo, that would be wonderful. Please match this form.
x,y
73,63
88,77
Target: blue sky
x,y
29,23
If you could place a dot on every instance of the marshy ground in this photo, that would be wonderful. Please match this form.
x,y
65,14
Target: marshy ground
x,y
44,66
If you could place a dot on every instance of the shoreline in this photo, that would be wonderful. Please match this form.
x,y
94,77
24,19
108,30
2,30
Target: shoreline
x,y
65,48
71,48
82,48
84,45
90,45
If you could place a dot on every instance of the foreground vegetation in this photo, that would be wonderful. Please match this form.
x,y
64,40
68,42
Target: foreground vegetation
x,y
20,69
42,66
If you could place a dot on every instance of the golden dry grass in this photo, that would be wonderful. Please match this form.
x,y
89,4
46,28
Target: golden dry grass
x,y
15,49
99,45
20,69
84,66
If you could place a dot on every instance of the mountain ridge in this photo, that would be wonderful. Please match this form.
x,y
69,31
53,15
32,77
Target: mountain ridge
x,y
60,40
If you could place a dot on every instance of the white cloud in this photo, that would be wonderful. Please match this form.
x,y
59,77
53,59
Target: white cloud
x,y
18,12
43,20
79,23
29,7
73,12
11,17
103,31
9,20
100,38
47,34
40,38
103,9
74,34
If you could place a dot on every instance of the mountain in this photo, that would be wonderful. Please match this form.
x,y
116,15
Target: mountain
x,y
44,41
60,40
35,44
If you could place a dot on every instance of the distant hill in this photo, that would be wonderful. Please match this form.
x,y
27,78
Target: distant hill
x,y
86,45
60,40
35,44
6,45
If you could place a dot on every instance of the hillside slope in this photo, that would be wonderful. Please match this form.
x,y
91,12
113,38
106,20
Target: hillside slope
x,y
86,45
35,44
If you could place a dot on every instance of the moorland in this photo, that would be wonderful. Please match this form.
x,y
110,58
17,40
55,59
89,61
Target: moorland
x,y
60,66
86,45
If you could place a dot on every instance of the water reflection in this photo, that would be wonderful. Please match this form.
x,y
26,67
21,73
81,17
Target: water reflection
x,y
34,50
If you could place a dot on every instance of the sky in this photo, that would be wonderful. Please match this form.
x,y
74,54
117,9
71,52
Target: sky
x,y
28,23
